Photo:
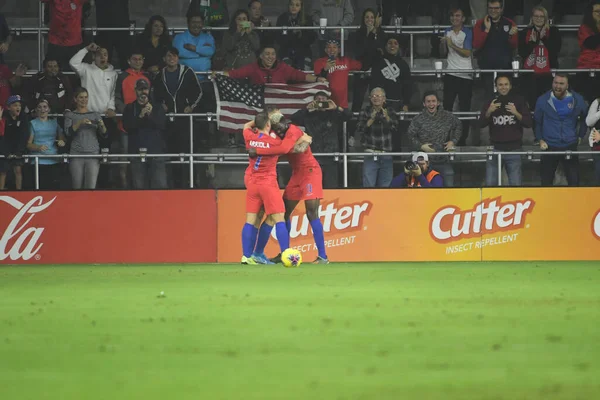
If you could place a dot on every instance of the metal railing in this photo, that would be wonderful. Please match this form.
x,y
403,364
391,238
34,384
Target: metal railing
x,y
242,159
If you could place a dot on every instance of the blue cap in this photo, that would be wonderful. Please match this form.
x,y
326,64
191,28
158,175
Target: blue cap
x,y
13,99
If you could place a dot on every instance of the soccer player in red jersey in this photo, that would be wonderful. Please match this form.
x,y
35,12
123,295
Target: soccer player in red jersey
x,y
260,179
305,184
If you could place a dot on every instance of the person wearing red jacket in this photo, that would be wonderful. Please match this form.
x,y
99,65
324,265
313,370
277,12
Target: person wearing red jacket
x,y
589,58
270,70
336,69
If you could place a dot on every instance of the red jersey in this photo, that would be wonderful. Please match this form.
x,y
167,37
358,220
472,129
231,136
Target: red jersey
x,y
297,160
338,77
65,22
264,167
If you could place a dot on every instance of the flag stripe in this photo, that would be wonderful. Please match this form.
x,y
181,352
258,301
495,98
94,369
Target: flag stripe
x,y
238,102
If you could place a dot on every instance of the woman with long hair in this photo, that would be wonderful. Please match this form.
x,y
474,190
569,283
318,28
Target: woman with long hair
x,y
83,127
294,47
367,43
45,137
153,43
240,42
539,46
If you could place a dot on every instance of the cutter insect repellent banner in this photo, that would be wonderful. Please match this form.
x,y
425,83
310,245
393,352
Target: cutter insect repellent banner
x,y
91,227
365,225
499,224
549,224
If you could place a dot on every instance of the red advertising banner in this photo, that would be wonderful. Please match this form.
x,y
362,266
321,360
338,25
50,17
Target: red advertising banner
x,y
108,227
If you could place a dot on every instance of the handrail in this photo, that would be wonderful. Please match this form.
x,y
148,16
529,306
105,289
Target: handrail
x,y
342,157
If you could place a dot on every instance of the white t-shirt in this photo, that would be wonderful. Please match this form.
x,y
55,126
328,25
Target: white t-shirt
x,y
463,40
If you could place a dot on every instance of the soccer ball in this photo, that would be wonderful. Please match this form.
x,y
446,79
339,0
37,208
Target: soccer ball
x,y
291,258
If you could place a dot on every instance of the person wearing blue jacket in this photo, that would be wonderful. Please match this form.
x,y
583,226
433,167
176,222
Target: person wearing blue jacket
x,y
557,116
196,47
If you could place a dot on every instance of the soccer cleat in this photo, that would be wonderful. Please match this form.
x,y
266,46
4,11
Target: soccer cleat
x,y
321,260
248,261
261,259
276,259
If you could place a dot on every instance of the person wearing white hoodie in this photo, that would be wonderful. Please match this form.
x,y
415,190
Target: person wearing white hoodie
x,y
100,80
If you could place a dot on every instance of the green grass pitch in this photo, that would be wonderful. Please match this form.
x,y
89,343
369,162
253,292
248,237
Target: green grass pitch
x,y
485,331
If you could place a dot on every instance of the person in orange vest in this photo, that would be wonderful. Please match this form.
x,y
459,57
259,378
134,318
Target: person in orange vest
x,y
417,174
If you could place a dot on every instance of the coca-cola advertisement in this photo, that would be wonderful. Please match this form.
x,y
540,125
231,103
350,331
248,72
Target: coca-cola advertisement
x,y
108,227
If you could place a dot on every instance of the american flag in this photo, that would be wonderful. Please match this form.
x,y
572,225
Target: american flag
x,y
238,101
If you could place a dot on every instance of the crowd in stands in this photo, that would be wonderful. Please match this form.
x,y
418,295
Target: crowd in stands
x,y
123,107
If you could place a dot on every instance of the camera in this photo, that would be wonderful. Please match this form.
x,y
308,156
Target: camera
x,y
323,104
410,165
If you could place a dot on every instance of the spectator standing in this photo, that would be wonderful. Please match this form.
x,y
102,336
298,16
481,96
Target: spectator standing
x,y
64,37
83,127
45,137
258,20
5,38
436,130
125,93
375,128
114,14
14,133
390,72
324,120
495,39
506,115
195,47
240,42
336,69
593,121
458,45
589,42
557,116
178,91
100,80
294,47
367,44
337,12
153,43
268,69
10,81
50,85
539,46
145,126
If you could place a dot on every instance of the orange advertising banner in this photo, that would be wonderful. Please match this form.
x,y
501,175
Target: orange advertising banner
x,y
361,225
436,225
549,224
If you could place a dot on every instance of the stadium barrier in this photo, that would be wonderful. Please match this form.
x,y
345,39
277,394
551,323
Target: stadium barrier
x,y
490,224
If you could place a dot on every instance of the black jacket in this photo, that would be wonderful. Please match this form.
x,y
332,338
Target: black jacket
x,y
57,90
325,128
188,93
299,43
16,135
392,74
146,132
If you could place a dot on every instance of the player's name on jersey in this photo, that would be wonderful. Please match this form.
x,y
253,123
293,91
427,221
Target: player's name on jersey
x,y
254,143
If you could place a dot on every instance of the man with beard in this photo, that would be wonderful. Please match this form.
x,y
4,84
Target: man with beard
x,y
557,114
